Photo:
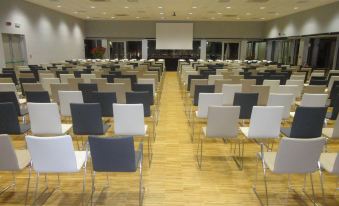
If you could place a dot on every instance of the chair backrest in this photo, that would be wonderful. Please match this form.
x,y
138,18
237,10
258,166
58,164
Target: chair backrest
x,y
295,82
74,82
32,87
106,100
313,100
99,81
38,97
228,91
87,77
9,123
332,80
7,87
272,83
246,101
265,122
222,121
201,89
263,92
246,84
55,88
308,122
9,160
336,128
145,87
219,83
126,81
129,119
212,78
87,119
287,89
140,98
195,82
148,81
46,83
52,154
39,113
206,100
335,105
64,78
285,100
88,87
68,97
118,88
6,80
314,89
112,154
298,155
10,97
46,75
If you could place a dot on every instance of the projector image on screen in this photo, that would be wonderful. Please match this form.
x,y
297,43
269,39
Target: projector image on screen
x,y
178,36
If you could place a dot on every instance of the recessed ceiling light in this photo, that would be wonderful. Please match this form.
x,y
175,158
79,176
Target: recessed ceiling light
x,y
59,6
262,7
87,17
75,12
190,13
296,8
187,18
104,13
212,18
219,13
194,7
126,7
262,18
238,18
248,13
228,7
277,13
159,7
92,7
137,17
113,17
161,13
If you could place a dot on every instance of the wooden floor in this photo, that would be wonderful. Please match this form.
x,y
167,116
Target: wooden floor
x,y
174,177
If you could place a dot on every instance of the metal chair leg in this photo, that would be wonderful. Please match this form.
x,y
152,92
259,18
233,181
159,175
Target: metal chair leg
x,y
265,181
36,187
313,194
93,186
322,183
200,141
28,183
141,188
9,186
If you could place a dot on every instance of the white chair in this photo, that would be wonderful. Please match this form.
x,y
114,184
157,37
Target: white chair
x,y
332,133
228,91
46,75
87,77
312,100
299,83
272,83
7,87
148,81
46,84
212,78
39,113
55,155
330,163
287,89
294,156
64,78
205,100
129,120
11,159
285,100
216,127
68,97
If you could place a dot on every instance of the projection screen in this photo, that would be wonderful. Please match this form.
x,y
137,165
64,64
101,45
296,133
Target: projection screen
x,y
174,36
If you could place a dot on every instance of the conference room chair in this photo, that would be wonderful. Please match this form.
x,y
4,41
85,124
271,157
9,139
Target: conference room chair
x,y
87,77
26,80
74,82
313,100
87,87
116,154
46,84
335,90
64,78
287,89
307,123
318,82
45,120
246,101
129,121
335,108
9,123
222,123
285,100
46,75
272,83
126,81
218,83
54,155
330,163
55,88
200,115
117,88
236,79
18,103
263,93
12,76
26,74
332,132
201,89
105,99
38,97
5,80
7,87
58,74
212,78
32,87
228,91
314,89
294,156
331,82
246,84
98,81
11,160
66,98
264,126
190,95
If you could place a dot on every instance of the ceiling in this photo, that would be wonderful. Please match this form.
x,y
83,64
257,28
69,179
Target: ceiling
x,y
185,10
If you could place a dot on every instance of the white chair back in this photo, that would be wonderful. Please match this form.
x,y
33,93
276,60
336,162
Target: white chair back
x,y
265,122
206,100
64,78
228,91
286,89
52,154
129,119
285,100
148,81
296,155
272,83
8,160
46,83
87,77
68,97
212,78
313,100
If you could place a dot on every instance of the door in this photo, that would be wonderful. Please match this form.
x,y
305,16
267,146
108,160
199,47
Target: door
x,y
14,50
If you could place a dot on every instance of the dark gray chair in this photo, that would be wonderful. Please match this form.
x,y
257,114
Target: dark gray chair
x,y
105,99
335,105
246,101
144,87
116,154
26,80
87,87
87,119
38,97
9,123
140,98
307,123
201,89
11,97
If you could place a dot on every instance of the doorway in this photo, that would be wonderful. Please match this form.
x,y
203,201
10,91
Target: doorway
x,y
14,49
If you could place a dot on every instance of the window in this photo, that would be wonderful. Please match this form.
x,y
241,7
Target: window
x,y
321,52
117,50
213,50
231,51
134,49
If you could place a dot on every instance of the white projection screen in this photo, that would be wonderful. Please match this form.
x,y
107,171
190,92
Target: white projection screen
x,y
174,36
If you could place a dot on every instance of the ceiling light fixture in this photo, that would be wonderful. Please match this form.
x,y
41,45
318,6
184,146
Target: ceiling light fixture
x,y
194,7
59,6
219,13
262,7
137,17
126,7
228,7
296,8
248,13
92,7
161,13
190,13
159,7
113,17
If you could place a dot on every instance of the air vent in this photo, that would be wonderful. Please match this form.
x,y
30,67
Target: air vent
x,y
121,15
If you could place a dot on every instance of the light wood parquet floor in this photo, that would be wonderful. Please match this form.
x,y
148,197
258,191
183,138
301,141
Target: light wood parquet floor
x,y
174,177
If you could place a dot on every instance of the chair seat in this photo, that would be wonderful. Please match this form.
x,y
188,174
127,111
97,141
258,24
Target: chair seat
x,y
65,128
80,159
286,131
269,159
328,132
23,157
24,128
327,161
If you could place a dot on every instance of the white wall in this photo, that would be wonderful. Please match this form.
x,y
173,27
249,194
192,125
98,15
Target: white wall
x,y
320,20
50,36
146,29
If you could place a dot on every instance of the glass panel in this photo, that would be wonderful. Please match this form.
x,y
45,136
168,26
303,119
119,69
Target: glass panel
x,y
231,51
186,54
117,50
134,49
321,52
213,50
14,49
